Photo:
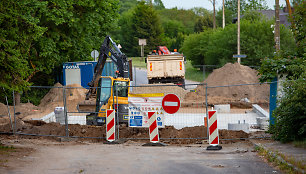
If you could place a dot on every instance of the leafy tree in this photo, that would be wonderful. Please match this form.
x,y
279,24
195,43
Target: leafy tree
x,y
126,5
220,45
204,20
290,113
245,5
37,36
144,23
186,17
229,15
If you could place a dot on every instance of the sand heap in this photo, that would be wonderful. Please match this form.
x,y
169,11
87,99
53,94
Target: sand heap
x,y
232,74
73,92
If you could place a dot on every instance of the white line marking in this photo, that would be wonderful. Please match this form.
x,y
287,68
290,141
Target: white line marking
x,y
171,103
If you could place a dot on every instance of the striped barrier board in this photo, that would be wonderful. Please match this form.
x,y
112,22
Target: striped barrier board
x,y
110,125
213,131
153,129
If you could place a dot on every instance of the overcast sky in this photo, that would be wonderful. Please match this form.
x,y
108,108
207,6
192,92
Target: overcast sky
x,y
187,4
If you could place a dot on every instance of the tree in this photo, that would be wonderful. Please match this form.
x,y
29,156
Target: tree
x,y
144,24
203,23
290,113
36,36
204,19
245,5
217,47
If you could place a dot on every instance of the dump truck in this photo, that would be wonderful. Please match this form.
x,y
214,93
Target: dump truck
x,y
166,68
108,92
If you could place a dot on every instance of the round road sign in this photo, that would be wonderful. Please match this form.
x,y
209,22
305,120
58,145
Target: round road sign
x,y
171,103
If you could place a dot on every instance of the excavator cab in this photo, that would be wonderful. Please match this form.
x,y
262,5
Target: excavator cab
x,y
107,98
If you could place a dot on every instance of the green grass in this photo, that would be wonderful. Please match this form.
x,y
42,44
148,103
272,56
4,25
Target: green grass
x,y
300,144
5,148
138,62
271,157
194,74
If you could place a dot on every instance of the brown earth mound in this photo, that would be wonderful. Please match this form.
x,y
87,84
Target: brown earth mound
x,y
168,134
231,74
74,94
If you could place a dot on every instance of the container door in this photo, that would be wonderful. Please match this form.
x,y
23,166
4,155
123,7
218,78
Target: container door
x,y
86,74
73,76
155,69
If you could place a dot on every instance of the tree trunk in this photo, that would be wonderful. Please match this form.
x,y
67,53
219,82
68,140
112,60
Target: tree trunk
x,y
17,98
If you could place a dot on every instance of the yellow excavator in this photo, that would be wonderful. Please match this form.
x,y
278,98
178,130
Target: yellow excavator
x,y
104,90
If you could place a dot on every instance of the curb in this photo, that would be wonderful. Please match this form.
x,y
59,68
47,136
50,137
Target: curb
x,y
278,157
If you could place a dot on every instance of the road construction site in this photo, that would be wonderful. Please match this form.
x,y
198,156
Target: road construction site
x,y
233,90
245,106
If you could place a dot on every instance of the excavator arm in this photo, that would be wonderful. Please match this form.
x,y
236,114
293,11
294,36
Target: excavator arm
x,y
110,50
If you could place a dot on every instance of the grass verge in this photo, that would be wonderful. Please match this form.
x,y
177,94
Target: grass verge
x,y
285,164
4,153
300,144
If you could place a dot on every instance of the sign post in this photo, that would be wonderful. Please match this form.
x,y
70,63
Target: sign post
x,y
94,54
239,56
142,43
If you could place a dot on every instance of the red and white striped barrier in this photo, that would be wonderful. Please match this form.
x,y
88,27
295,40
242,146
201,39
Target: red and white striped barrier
x,y
153,129
110,125
213,131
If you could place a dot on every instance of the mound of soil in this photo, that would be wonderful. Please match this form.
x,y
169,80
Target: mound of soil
x,y
231,74
167,134
74,94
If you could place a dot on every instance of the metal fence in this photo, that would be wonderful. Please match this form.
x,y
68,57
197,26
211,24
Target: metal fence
x,y
240,107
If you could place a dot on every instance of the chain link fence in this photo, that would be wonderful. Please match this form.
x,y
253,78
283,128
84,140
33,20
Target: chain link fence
x,y
58,114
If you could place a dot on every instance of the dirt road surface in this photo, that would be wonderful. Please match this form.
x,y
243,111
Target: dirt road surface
x,y
133,158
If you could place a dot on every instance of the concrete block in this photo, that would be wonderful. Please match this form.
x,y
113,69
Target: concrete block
x,y
223,108
260,111
235,126
263,122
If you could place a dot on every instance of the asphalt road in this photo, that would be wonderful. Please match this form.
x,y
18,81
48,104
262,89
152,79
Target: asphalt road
x,y
131,158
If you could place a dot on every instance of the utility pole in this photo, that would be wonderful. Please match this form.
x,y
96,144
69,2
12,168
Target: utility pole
x,y
277,30
223,16
238,31
214,22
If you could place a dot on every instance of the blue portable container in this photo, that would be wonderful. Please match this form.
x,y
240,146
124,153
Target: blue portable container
x,y
82,72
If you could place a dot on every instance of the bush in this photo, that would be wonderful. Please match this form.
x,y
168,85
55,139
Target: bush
x,y
290,115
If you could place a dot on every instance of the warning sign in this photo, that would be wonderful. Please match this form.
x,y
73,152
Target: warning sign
x,y
140,104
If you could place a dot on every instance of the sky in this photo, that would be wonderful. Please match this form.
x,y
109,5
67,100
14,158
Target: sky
x,y
187,4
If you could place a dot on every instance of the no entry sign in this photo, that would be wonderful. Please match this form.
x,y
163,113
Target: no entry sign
x,y
171,103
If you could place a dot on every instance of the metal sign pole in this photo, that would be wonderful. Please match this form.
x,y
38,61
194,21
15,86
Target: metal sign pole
x,y
14,113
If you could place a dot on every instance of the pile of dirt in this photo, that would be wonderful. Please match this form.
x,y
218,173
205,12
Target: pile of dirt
x,y
161,88
21,111
232,74
168,134
74,94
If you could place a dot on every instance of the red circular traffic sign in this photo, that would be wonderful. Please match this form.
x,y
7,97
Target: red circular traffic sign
x,y
171,103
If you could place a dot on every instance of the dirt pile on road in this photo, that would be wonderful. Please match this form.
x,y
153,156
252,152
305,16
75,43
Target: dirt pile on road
x,y
232,74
